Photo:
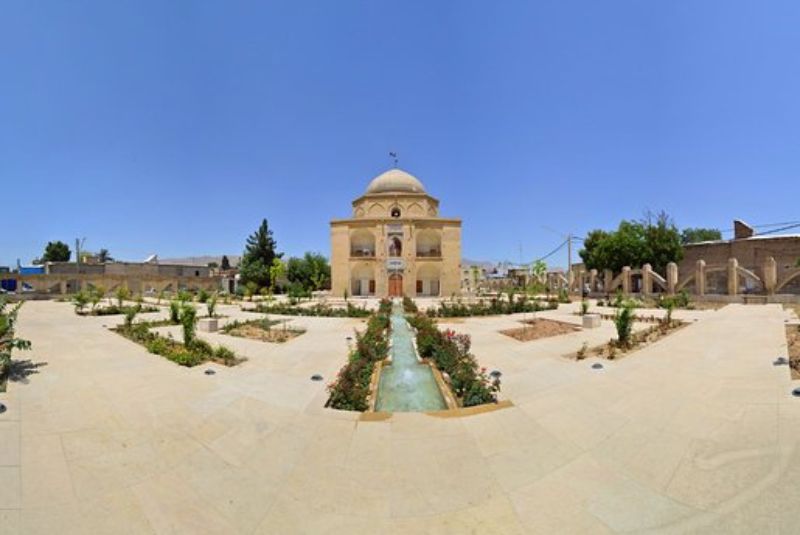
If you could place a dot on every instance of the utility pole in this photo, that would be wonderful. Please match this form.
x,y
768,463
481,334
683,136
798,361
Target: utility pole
x,y
569,263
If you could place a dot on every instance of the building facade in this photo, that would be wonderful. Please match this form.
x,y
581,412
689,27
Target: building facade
x,y
395,243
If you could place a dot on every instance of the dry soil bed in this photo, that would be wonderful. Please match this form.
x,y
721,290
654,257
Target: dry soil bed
x,y
540,328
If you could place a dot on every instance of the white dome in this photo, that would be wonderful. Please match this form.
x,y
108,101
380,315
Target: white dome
x,y
395,181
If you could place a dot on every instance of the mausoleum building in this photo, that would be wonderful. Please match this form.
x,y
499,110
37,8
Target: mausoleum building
x,y
395,243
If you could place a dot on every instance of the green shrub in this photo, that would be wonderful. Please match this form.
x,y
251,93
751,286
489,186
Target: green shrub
x,y
80,300
8,343
174,312
623,320
185,358
211,305
188,319
201,347
122,294
202,296
225,354
584,307
130,314
158,345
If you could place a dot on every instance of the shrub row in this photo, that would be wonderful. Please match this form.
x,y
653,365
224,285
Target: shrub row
x,y
197,352
350,389
451,354
350,311
457,309
112,310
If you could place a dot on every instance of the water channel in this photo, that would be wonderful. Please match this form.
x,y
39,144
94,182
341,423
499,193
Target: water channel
x,y
406,385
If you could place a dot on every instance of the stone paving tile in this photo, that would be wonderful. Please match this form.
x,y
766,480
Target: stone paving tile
x,y
697,433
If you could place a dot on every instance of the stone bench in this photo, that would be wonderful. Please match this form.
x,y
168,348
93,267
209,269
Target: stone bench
x,y
208,325
591,321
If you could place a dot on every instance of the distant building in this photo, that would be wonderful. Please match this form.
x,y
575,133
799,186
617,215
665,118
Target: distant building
x,y
396,243
751,250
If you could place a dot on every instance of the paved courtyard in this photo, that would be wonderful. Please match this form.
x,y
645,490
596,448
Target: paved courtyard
x,y
695,433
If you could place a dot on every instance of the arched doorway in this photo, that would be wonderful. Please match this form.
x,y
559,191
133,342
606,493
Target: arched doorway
x,y
395,285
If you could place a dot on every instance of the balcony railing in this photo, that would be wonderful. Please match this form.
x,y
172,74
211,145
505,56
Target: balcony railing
x,y
362,253
429,254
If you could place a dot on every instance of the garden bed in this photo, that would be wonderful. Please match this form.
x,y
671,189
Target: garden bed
x,y
197,352
264,330
450,353
613,349
540,328
494,307
113,310
319,310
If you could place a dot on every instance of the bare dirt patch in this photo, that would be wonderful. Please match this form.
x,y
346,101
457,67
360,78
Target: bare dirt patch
x,y
540,328
793,348
256,331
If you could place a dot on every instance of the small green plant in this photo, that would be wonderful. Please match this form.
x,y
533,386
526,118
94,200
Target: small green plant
x,y
130,314
224,354
188,319
160,297
211,305
175,312
563,296
80,301
184,296
584,307
202,296
8,320
122,293
623,320
250,289
96,295
668,317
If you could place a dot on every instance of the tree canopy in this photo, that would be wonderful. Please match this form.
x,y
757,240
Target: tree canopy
x,y
258,257
699,234
654,240
312,271
55,251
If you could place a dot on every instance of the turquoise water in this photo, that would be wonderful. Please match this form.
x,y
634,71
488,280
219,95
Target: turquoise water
x,y
406,385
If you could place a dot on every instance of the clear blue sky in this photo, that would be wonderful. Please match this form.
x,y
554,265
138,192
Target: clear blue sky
x,y
174,127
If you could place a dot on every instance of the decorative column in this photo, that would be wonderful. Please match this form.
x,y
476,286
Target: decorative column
x,y
626,280
770,275
593,280
672,277
647,280
700,277
608,278
733,276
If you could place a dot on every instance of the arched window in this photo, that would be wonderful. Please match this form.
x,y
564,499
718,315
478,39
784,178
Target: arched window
x,y
395,246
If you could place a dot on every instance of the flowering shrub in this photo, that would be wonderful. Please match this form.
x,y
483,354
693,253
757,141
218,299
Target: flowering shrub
x,y
320,310
350,389
456,309
450,353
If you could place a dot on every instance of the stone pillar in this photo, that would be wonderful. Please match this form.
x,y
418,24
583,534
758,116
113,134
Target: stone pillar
x,y
626,280
593,280
672,277
770,275
700,277
647,280
608,278
733,276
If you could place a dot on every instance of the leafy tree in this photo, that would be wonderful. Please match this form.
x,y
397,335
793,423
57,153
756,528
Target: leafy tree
x,y
103,256
80,300
55,251
213,265
225,263
258,256
311,272
699,234
276,271
654,240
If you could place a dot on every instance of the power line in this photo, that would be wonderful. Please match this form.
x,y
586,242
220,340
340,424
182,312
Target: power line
x,y
554,251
